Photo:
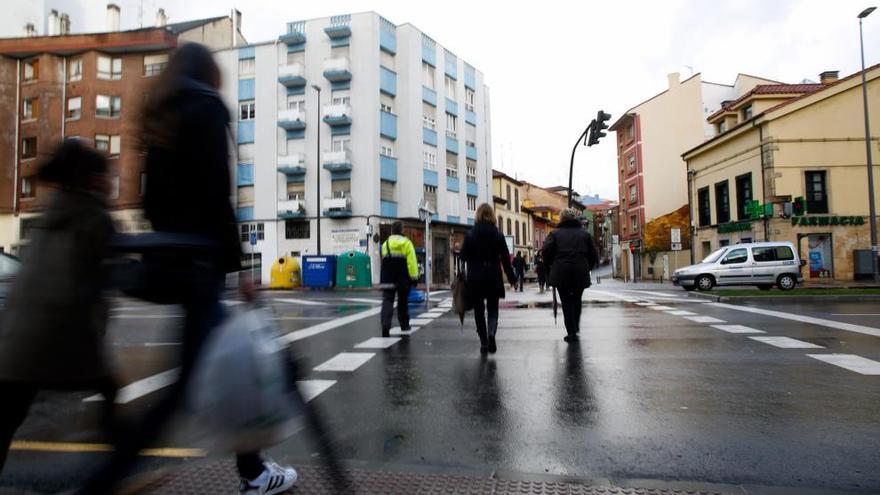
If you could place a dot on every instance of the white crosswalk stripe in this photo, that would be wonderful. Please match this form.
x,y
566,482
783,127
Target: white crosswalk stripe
x,y
345,361
398,331
420,321
304,302
703,319
680,313
858,364
313,388
378,343
737,329
786,343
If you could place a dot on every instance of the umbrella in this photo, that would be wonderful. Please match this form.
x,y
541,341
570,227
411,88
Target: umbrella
x,y
555,306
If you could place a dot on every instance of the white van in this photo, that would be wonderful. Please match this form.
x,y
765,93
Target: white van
x,y
764,264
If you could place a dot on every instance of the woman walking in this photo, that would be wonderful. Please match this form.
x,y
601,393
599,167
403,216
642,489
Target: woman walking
x,y
570,254
485,253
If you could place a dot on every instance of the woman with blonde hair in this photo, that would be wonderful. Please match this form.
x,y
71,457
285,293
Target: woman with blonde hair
x,y
485,253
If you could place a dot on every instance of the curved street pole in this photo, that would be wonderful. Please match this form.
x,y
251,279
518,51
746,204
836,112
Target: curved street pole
x,y
583,137
872,214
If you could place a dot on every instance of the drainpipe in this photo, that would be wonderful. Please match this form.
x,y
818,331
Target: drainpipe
x,y
691,228
763,180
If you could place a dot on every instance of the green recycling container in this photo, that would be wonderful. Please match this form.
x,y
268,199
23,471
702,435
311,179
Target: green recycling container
x,y
353,270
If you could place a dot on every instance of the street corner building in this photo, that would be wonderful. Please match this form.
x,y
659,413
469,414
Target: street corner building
x,y
343,125
788,163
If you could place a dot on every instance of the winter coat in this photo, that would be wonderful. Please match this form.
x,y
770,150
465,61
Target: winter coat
x,y
188,181
485,253
399,263
570,253
55,318
519,264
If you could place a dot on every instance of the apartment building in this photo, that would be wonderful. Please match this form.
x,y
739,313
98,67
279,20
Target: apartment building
x,y
91,86
379,115
788,163
651,137
514,222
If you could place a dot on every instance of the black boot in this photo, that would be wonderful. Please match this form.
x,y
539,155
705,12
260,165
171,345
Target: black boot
x,y
493,329
492,347
483,348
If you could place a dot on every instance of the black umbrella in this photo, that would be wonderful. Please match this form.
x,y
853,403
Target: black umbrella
x,y
555,306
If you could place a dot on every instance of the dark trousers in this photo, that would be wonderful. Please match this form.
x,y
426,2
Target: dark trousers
x,y
204,313
486,316
520,279
571,308
402,292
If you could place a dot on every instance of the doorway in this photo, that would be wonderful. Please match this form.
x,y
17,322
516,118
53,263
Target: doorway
x,y
440,255
820,256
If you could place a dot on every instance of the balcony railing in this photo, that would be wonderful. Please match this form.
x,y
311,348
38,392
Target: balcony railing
x,y
339,207
337,69
337,115
292,120
337,161
292,164
293,208
293,75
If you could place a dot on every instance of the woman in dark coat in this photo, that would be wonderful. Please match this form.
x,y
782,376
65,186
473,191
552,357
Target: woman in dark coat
x,y
485,252
570,254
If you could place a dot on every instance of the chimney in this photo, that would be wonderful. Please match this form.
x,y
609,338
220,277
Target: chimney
x,y
65,24
112,17
673,79
52,25
828,77
161,18
235,16
29,30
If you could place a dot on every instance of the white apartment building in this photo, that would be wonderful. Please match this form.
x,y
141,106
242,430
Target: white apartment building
x,y
398,118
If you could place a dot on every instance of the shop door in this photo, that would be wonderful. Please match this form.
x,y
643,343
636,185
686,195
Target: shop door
x,y
820,256
440,255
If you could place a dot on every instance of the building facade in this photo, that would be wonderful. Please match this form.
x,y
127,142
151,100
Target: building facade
x,y
514,222
650,139
380,115
789,164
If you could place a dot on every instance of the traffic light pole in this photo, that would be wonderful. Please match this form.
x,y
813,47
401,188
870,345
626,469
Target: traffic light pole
x,y
582,137
590,136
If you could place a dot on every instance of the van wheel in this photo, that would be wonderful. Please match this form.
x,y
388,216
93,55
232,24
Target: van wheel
x,y
765,286
786,282
704,282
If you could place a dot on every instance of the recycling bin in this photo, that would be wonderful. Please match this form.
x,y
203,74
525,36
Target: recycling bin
x,y
318,272
353,270
285,274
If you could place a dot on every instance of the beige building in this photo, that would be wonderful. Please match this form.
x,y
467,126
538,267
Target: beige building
x,y
781,146
513,221
651,137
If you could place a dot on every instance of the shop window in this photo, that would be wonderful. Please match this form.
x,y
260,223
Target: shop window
x,y
743,195
295,229
722,202
705,212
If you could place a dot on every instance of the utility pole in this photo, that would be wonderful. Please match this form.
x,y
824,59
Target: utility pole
x,y
872,214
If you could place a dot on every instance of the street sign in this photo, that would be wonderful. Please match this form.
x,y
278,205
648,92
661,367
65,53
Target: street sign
x,y
676,246
675,236
754,209
253,238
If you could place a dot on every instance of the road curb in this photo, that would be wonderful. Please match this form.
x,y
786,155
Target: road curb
x,y
789,299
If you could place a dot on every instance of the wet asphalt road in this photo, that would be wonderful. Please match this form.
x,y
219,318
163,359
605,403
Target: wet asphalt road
x,y
650,393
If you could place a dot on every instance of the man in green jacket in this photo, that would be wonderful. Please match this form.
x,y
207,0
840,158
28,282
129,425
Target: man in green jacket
x,y
399,270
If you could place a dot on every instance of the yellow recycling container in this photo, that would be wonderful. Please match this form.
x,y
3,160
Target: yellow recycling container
x,y
285,274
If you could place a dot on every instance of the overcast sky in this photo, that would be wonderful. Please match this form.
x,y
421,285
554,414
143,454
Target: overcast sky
x,y
551,65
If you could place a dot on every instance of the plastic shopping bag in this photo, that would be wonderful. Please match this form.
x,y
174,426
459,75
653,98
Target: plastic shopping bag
x,y
241,396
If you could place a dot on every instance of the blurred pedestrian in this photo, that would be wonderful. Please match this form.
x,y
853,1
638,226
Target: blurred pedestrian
x,y
56,316
570,254
400,270
519,269
540,271
185,138
485,253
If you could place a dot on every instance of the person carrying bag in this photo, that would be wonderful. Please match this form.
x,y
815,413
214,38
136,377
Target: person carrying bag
x,y
399,271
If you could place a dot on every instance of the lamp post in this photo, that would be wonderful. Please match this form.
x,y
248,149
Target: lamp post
x,y
871,210
318,163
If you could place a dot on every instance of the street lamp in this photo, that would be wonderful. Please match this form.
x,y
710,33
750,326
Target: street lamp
x,y
318,162
871,211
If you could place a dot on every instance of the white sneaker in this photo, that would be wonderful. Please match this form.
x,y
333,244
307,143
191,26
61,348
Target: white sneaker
x,y
274,479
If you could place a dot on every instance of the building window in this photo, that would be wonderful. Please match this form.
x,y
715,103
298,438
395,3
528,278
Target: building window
x,y
247,67
385,108
633,194
509,227
634,223
429,157
631,163
386,190
516,200
508,198
341,97
722,127
631,130
704,207
247,110
30,109
74,69
516,232
429,76
114,187
296,191
722,202
453,202
108,106
450,88
109,68
386,150
471,171
294,229
469,98
817,197
340,188
431,195
143,185
27,187
747,112
246,229
296,102
110,145
340,144
451,125
743,195
472,203
428,122
29,148
500,222
451,164
155,64
74,107
31,70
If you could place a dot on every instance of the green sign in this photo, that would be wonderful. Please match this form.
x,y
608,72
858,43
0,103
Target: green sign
x,y
725,228
823,221
754,209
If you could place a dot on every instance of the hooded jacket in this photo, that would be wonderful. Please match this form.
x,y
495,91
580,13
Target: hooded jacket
x,y
570,253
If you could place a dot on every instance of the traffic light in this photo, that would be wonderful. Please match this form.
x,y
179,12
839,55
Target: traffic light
x,y
598,127
799,206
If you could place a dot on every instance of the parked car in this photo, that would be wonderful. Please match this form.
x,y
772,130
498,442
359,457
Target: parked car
x,y
764,264
9,266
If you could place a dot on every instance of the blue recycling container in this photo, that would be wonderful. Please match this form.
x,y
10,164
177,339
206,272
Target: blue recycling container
x,y
319,272
416,296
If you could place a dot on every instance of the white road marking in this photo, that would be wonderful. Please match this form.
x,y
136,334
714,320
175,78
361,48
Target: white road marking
x,y
787,343
439,310
609,294
345,361
703,319
420,321
804,319
646,304
851,362
737,329
662,294
680,313
398,331
662,308
363,300
231,302
378,343
326,326
143,317
429,315
140,388
301,318
305,302
855,314
313,388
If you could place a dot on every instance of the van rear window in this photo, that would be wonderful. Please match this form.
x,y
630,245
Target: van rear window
x,y
783,253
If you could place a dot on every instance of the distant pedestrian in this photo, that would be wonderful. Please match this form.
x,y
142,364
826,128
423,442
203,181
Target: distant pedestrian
x,y
570,254
519,269
540,271
485,253
56,316
400,270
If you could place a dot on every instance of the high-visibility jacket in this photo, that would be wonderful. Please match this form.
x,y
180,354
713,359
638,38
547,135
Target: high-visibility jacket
x,y
399,260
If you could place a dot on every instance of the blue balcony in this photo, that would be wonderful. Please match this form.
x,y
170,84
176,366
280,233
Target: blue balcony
x,y
340,27
296,33
292,76
292,120
337,70
452,184
388,209
471,151
387,81
472,188
338,163
337,207
429,136
430,177
293,166
453,219
388,168
245,132
429,96
337,115
451,107
451,145
291,209
388,125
